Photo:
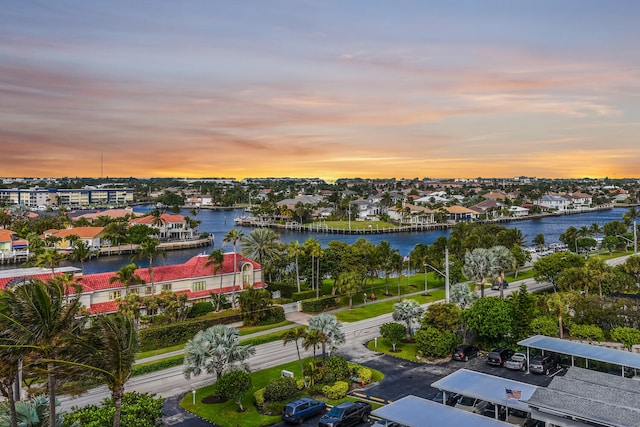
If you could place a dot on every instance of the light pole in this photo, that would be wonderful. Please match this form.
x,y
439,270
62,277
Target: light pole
x,y
445,274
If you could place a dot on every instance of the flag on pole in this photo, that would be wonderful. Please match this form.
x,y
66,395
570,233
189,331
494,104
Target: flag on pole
x,y
513,394
406,259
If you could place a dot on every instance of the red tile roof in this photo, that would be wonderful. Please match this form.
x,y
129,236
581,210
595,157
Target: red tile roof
x,y
103,307
166,218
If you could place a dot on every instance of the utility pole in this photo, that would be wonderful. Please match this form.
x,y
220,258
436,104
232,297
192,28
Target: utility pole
x,y
446,274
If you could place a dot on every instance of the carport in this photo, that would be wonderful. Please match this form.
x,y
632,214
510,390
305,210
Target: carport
x,y
413,411
586,351
487,387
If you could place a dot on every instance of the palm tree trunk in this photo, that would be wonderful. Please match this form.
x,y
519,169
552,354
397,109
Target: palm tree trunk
x,y
560,325
8,393
51,385
235,267
297,273
117,403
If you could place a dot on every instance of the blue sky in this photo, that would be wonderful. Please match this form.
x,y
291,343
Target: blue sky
x,y
320,88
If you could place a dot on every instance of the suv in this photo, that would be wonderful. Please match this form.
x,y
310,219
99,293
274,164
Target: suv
x,y
301,409
346,414
496,286
464,352
470,404
543,364
498,356
449,398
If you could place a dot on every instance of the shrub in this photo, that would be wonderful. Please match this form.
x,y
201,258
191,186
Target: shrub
x,y
273,315
299,296
315,390
300,383
258,397
364,374
545,325
273,408
336,391
280,388
138,409
335,368
587,332
432,342
286,289
200,309
318,305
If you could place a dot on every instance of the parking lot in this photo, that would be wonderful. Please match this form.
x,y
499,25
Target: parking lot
x,y
403,378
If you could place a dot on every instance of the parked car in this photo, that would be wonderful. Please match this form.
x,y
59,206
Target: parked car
x,y
544,364
385,423
518,417
464,352
470,404
301,409
496,286
517,362
490,411
450,398
346,414
498,356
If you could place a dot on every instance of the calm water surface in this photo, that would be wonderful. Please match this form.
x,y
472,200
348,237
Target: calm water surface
x,y
220,222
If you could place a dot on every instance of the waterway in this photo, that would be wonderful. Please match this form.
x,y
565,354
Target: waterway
x,y
219,222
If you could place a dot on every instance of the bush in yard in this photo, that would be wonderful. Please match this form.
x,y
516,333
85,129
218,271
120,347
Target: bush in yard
x,y
258,397
590,333
364,374
300,383
431,342
138,410
200,309
273,408
233,385
319,305
335,368
625,335
281,388
394,332
545,325
336,391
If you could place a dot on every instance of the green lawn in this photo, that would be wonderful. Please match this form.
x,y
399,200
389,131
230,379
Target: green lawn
x,y
247,330
370,310
226,414
407,351
355,225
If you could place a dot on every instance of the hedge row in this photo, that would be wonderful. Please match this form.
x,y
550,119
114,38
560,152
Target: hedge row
x,y
158,365
319,305
286,289
164,336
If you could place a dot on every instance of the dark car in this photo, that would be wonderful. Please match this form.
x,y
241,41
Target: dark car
x,y
490,411
496,286
498,356
450,398
301,409
464,352
346,414
544,364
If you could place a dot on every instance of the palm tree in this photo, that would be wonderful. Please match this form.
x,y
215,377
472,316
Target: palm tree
x,y
632,217
5,218
106,352
478,265
117,233
295,335
408,311
11,356
329,325
295,250
502,259
149,249
349,283
127,276
234,236
262,244
67,281
313,338
556,304
36,317
50,258
81,252
215,350
215,260
397,265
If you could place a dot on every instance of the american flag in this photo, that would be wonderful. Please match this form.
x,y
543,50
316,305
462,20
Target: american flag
x,y
406,259
513,394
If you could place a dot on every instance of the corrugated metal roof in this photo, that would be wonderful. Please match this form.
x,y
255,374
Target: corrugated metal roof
x,y
588,351
486,387
413,411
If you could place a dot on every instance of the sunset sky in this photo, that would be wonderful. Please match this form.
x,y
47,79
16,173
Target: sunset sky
x,y
320,88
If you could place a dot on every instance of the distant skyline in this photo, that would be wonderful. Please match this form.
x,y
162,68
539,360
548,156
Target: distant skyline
x,y
328,89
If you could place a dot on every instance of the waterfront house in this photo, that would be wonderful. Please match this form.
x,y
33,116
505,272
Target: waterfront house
x,y
169,226
551,201
91,236
10,242
460,213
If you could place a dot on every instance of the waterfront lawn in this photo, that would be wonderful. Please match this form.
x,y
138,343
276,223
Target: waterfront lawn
x,y
352,225
378,308
226,414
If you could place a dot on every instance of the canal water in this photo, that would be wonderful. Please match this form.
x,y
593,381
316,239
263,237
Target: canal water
x,y
219,222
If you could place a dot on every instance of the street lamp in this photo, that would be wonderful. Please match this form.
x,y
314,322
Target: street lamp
x,y
445,274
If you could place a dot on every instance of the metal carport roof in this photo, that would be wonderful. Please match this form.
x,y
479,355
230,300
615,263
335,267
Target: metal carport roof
x,y
587,351
413,411
486,387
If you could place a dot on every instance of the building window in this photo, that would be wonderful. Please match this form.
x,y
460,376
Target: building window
x,y
166,287
134,291
148,290
199,286
246,279
114,294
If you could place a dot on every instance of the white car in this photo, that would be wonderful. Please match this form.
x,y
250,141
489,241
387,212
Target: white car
x,y
517,362
471,404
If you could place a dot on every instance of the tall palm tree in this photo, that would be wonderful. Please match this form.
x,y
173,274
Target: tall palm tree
x,y
11,355
632,217
81,252
117,233
234,236
502,259
312,339
127,276
557,304
106,352
295,335
294,249
36,317
5,218
262,244
215,260
215,350
149,250
50,258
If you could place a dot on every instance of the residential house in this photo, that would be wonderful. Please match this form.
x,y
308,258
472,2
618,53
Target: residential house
x,y
518,211
170,226
111,213
460,213
91,236
10,242
412,214
581,200
556,202
366,211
